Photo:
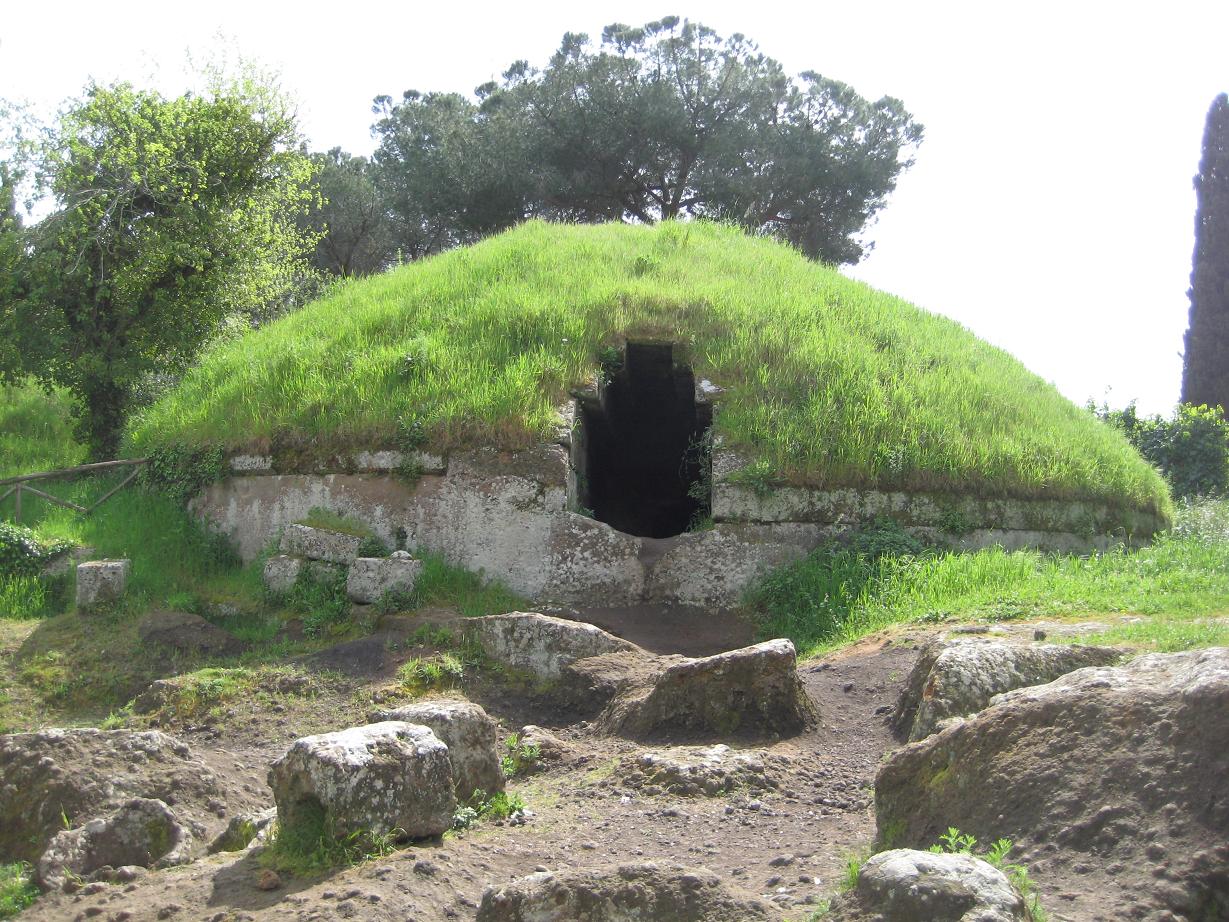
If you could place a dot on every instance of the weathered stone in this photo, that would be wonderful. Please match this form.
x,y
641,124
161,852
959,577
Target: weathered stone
x,y
541,645
645,892
62,563
958,675
548,746
469,733
380,779
187,633
753,691
371,577
1130,761
916,886
244,830
144,832
699,771
84,773
282,572
319,544
101,581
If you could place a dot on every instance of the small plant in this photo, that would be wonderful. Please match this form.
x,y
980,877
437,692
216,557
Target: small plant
x,y
758,476
851,869
17,889
320,597
23,553
411,434
442,670
310,847
481,806
182,471
955,842
371,546
522,757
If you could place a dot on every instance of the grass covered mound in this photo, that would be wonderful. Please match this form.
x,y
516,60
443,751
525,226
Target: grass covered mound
x,y
827,380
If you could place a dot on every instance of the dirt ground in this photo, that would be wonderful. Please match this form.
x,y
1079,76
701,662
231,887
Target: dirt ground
x,y
788,842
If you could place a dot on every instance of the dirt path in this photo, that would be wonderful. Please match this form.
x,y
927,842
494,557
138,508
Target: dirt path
x,y
787,842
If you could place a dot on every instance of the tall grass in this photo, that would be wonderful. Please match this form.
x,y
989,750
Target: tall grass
x,y
828,380
36,431
835,596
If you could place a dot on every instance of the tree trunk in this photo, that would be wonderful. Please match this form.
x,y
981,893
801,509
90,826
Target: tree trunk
x,y
101,421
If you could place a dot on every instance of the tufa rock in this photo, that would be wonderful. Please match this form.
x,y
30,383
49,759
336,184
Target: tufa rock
x,y
243,830
143,832
281,572
319,544
699,770
957,676
541,645
549,747
187,633
85,773
101,581
470,735
1121,765
903,885
380,779
371,577
753,691
645,892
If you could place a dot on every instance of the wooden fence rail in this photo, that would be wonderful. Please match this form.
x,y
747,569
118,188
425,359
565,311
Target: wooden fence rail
x,y
18,485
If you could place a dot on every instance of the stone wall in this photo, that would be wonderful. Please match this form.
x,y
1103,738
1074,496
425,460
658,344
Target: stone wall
x,y
508,514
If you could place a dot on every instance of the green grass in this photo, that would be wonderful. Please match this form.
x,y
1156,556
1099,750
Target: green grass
x,y
17,890
36,431
836,595
309,848
828,382
444,585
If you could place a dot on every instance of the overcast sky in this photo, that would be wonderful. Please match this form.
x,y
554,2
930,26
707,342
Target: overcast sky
x,y
1050,209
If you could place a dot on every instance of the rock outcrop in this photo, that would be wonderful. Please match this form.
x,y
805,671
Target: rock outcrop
x,y
1115,780
469,733
753,691
699,770
142,833
646,892
541,646
380,779
80,774
903,885
958,675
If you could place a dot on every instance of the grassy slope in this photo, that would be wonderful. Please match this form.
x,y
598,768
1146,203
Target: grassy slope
x,y
36,431
831,381
1178,587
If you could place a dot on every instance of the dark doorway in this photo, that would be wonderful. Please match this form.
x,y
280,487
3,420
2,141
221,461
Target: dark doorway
x,y
646,464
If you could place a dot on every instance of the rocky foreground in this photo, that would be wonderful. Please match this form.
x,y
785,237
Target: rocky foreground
x,y
728,787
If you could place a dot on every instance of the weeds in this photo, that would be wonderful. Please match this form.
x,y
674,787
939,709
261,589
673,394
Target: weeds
x,y
310,847
17,889
955,842
481,806
522,757
420,674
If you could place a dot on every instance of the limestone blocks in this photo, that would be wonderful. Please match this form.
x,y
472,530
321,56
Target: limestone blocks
x,y
370,578
321,551
384,778
470,735
101,581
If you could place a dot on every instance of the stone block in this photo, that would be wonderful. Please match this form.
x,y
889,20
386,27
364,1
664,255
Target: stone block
x,y
319,544
389,777
101,581
370,577
470,735
541,645
282,572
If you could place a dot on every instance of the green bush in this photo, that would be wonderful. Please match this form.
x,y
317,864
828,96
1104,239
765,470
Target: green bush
x,y
1191,450
22,553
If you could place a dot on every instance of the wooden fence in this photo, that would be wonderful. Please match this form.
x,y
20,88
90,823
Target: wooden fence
x,y
19,485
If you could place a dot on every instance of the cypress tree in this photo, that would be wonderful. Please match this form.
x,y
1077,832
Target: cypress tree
x,y
1205,368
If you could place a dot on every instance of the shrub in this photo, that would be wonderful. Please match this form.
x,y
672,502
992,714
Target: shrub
x,y
1191,450
23,553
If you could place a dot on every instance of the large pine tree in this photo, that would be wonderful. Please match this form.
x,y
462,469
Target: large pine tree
x,y
1205,370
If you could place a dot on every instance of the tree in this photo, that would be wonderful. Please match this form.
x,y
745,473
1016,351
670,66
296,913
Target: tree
x,y
662,121
350,218
1205,366
170,214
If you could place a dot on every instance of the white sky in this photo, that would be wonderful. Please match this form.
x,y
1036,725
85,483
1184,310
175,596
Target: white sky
x,y
1050,209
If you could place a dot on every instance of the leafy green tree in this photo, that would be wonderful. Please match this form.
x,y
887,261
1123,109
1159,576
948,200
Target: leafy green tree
x,y
1205,368
170,215
350,218
661,121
